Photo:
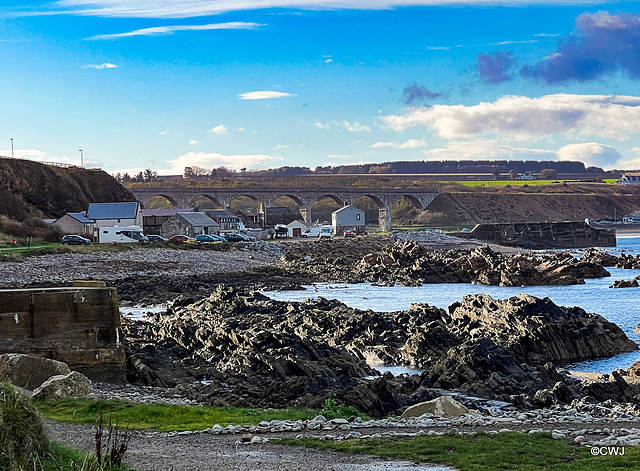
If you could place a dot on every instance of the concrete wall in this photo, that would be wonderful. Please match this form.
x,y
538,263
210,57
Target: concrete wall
x,y
547,235
78,325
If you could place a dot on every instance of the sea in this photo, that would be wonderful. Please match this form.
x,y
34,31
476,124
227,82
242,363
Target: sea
x,y
621,306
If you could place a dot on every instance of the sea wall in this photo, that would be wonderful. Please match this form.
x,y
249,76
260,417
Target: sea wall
x,y
544,235
78,325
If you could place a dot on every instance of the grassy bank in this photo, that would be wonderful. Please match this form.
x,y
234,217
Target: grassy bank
x,y
506,451
163,417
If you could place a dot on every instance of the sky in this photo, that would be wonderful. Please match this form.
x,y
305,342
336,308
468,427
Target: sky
x,y
126,85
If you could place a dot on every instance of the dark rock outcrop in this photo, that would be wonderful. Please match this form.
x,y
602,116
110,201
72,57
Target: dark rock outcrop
x,y
624,284
241,348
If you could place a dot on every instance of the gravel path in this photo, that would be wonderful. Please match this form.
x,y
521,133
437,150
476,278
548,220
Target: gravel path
x,y
151,451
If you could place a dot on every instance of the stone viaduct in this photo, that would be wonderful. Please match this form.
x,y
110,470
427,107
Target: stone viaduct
x,y
304,198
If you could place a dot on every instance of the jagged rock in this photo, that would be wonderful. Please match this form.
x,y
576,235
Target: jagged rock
x,y
443,406
538,331
73,384
625,284
29,372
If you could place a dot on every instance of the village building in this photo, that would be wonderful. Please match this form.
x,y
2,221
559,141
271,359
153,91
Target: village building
x,y
296,228
115,214
190,224
228,221
629,179
75,223
347,216
153,219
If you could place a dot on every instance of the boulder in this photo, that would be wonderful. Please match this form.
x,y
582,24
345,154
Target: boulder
x,y
29,372
633,283
443,406
73,384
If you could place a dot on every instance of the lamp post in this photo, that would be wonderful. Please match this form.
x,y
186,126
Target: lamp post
x,y
11,147
81,158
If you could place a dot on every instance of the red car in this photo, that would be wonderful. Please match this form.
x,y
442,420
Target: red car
x,y
181,238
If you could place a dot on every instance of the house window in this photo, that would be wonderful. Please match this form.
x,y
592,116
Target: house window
x,y
357,217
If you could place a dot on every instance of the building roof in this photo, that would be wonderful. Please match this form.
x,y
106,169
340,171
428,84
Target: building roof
x,y
80,217
165,212
126,210
349,207
198,219
221,213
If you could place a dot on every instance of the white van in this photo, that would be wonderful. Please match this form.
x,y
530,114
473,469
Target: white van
x,y
311,232
326,231
125,234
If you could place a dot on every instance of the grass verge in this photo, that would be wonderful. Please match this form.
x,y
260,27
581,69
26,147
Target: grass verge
x,y
506,451
163,417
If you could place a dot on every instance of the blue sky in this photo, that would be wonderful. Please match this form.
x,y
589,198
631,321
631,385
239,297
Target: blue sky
x,y
165,84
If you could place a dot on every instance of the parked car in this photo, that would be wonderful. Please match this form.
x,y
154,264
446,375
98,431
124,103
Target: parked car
x,y
181,238
236,238
156,238
349,232
75,240
326,231
209,238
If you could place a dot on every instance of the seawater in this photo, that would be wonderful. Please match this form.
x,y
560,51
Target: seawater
x,y
621,306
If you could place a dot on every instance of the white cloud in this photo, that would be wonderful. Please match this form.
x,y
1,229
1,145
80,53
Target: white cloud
x,y
263,95
356,127
409,144
320,125
524,118
508,43
591,153
219,129
163,133
194,8
193,142
486,149
166,30
104,65
214,160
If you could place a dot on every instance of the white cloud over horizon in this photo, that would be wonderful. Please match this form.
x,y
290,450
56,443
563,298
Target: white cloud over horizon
x,y
104,65
591,153
215,160
523,118
408,144
197,8
166,30
263,95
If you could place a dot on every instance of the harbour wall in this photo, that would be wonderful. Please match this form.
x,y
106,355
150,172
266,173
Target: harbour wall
x,y
77,325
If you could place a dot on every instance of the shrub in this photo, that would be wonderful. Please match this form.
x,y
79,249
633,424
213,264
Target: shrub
x,y
22,438
54,234
332,410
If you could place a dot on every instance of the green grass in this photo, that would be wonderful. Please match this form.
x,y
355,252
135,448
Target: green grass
x,y
506,451
162,417
476,183
62,458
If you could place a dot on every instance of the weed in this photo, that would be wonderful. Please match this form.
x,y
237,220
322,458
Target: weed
x,y
332,410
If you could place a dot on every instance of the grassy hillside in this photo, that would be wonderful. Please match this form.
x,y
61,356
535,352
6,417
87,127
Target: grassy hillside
x,y
30,188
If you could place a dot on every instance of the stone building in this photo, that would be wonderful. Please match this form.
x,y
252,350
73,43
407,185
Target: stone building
x,y
190,224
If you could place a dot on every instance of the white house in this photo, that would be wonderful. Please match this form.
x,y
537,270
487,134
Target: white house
x,y
347,216
115,214
629,179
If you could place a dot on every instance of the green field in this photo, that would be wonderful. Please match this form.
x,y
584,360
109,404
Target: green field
x,y
478,183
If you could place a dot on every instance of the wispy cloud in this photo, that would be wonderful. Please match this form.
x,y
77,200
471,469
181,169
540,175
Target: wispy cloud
x,y
214,160
263,95
494,68
415,93
522,118
197,8
163,133
409,144
356,127
320,125
193,142
166,30
219,129
104,65
506,43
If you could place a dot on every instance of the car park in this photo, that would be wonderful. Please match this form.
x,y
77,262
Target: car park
x,y
209,238
74,239
181,238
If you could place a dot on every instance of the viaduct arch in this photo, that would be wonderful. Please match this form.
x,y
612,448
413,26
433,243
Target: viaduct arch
x,y
304,198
